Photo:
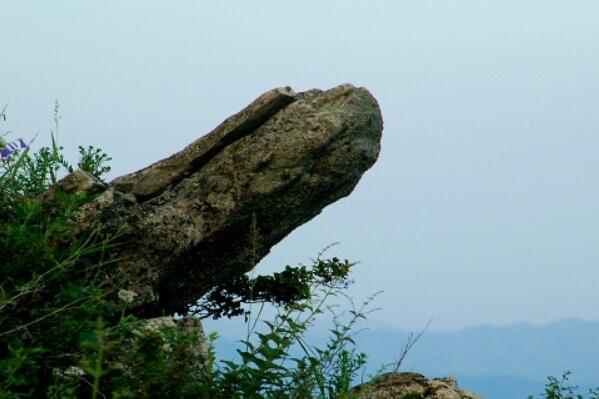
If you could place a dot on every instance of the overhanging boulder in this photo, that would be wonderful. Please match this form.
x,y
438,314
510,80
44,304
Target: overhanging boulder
x,y
216,208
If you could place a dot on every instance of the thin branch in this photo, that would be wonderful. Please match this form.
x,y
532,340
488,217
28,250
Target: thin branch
x,y
411,341
68,305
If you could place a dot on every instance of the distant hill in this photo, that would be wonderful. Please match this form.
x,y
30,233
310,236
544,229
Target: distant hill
x,y
498,362
508,362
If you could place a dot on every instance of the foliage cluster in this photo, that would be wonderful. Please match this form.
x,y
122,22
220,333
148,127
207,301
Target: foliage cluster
x,y
62,335
291,285
559,388
46,309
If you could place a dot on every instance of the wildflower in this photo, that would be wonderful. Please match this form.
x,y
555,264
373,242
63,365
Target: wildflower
x,y
8,148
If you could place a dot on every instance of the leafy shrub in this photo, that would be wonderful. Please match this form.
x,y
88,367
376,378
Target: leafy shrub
x,y
62,336
560,389
52,284
268,367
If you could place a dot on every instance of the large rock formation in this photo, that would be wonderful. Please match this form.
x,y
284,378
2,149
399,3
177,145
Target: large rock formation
x,y
217,207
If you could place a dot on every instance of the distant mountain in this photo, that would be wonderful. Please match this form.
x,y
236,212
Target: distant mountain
x,y
498,362
508,362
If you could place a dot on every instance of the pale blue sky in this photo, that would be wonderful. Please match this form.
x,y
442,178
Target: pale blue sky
x,y
483,207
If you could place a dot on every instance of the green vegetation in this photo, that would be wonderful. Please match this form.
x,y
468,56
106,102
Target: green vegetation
x,y
560,389
63,334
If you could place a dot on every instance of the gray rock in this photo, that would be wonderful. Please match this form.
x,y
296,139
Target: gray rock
x,y
191,327
78,182
216,208
402,385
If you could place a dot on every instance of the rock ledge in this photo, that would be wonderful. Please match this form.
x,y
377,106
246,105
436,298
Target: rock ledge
x,y
404,385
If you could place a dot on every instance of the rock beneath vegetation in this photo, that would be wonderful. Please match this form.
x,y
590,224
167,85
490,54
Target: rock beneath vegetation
x,y
189,327
401,385
216,208
175,336
78,182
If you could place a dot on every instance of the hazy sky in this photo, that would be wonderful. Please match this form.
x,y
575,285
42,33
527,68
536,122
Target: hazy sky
x,y
483,206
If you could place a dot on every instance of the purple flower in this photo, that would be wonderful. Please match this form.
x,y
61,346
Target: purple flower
x,y
9,148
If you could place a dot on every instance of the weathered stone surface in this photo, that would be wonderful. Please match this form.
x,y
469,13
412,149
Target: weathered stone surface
x,y
190,327
217,207
77,182
154,179
401,385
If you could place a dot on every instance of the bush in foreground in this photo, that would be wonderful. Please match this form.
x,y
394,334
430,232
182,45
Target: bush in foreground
x,y
62,335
